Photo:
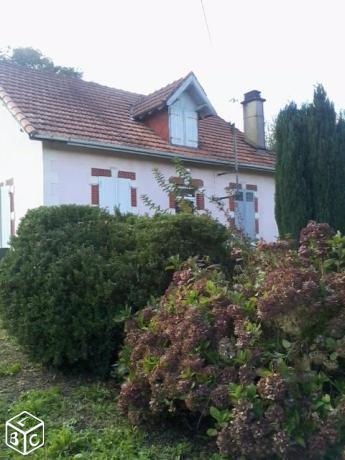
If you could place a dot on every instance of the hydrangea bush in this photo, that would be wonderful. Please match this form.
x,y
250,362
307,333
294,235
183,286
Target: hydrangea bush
x,y
257,362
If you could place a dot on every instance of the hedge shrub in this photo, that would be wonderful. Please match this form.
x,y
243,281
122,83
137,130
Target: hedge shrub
x,y
258,362
160,237
71,270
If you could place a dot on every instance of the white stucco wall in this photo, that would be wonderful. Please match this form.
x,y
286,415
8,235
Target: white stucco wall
x,y
22,160
67,179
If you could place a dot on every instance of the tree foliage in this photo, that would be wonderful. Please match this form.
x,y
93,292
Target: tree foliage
x,y
181,189
310,174
73,273
34,59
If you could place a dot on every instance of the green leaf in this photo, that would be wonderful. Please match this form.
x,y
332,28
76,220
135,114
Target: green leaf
x,y
212,432
331,343
215,413
286,344
261,372
326,398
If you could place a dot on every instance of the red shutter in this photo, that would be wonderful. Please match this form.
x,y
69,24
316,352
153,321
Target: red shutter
x,y
95,194
134,197
172,201
126,175
100,172
232,203
200,201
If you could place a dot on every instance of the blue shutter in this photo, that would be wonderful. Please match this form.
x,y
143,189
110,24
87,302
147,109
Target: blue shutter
x,y
108,193
191,128
5,216
239,211
124,195
249,224
176,124
245,213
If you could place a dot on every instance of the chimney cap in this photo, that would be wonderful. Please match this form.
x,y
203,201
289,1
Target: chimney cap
x,y
253,95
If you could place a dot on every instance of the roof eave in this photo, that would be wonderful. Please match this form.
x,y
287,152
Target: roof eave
x,y
149,152
17,114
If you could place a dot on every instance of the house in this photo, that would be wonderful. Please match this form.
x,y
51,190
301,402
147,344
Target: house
x,y
65,140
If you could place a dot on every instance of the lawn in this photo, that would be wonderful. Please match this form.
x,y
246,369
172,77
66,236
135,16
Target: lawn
x,y
80,415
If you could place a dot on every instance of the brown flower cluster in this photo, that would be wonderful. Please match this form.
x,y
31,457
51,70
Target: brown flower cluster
x,y
314,241
284,290
246,436
265,349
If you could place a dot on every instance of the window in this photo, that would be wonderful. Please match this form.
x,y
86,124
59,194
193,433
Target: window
x,y
115,193
188,197
5,216
245,213
183,124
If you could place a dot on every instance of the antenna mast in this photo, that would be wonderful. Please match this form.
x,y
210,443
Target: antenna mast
x,y
235,154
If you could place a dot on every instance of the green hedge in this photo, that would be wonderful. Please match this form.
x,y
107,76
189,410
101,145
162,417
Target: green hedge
x,y
71,270
3,252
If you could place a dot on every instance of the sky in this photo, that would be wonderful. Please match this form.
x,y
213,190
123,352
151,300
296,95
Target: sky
x,y
281,48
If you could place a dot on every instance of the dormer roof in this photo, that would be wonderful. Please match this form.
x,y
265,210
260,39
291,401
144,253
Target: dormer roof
x,y
167,95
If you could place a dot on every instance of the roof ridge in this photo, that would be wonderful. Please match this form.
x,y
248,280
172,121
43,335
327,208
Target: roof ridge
x,y
163,87
52,75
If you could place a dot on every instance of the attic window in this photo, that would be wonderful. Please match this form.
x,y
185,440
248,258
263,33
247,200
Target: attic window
x,y
183,124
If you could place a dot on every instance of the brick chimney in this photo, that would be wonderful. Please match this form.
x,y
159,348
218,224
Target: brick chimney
x,y
253,118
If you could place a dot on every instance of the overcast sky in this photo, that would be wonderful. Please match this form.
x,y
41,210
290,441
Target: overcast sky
x,y
282,48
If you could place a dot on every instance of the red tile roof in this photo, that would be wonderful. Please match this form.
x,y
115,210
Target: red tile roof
x,y
68,108
156,100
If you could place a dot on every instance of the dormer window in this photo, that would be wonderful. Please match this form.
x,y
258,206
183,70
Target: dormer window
x,y
173,112
183,123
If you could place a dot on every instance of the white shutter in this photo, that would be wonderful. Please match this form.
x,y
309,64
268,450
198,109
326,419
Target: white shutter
x,y
124,195
5,217
176,124
108,193
191,128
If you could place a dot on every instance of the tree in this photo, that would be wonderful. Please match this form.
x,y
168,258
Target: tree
x,y
321,128
182,189
292,208
34,59
310,172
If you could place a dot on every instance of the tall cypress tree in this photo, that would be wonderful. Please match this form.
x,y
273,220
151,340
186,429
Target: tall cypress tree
x,y
339,177
321,129
291,201
310,170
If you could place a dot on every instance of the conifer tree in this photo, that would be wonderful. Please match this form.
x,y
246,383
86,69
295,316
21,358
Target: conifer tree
x,y
321,129
291,201
310,169
339,177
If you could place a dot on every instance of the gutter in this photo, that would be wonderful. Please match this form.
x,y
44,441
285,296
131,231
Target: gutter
x,y
147,152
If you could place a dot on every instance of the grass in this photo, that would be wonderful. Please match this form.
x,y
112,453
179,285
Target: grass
x,y
81,417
